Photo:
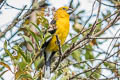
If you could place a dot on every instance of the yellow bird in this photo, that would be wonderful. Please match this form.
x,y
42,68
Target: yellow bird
x,y
61,24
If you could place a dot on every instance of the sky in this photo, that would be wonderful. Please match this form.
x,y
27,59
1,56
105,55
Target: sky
x,y
8,14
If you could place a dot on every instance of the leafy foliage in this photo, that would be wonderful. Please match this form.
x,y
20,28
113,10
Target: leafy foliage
x,y
82,56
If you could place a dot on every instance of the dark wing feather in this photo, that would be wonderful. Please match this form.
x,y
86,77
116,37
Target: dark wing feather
x,y
52,27
46,43
51,30
53,22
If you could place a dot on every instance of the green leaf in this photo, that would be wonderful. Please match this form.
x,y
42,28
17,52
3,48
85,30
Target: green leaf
x,y
82,11
34,36
27,39
22,54
17,57
5,44
7,51
29,56
109,65
2,68
76,55
65,46
22,75
26,76
44,22
19,51
22,65
47,36
98,26
97,73
57,74
74,39
39,62
89,55
41,33
88,74
65,77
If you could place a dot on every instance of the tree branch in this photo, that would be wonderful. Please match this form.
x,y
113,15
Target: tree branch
x,y
15,21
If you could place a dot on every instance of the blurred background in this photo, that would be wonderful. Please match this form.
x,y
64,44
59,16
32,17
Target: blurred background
x,y
91,50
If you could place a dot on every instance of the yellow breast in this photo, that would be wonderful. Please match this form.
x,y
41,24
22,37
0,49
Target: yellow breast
x,y
62,32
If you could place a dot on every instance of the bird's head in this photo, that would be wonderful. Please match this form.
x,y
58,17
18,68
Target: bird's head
x,y
63,12
66,9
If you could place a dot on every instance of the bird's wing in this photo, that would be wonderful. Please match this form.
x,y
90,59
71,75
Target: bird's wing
x,y
52,29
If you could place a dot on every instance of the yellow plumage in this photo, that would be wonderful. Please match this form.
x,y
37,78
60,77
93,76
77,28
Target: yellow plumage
x,y
62,25
61,22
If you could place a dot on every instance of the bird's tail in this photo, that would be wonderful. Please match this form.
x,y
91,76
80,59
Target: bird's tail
x,y
47,66
48,58
47,70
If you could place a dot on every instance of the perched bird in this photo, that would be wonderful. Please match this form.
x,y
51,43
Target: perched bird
x,y
60,24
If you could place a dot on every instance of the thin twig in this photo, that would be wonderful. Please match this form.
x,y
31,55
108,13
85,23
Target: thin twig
x,y
104,37
41,3
81,32
95,23
81,73
60,54
108,4
95,68
90,27
91,13
104,61
108,26
72,48
111,44
93,27
15,21
58,43
2,2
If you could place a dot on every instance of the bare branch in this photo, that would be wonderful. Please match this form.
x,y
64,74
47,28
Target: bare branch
x,y
112,22
104,37
60,54
15,21
2,2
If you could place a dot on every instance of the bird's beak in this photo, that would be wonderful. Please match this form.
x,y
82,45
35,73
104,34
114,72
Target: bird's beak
x,y
70,11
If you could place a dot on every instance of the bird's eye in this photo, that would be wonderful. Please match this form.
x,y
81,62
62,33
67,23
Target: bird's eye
x,y
64,8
